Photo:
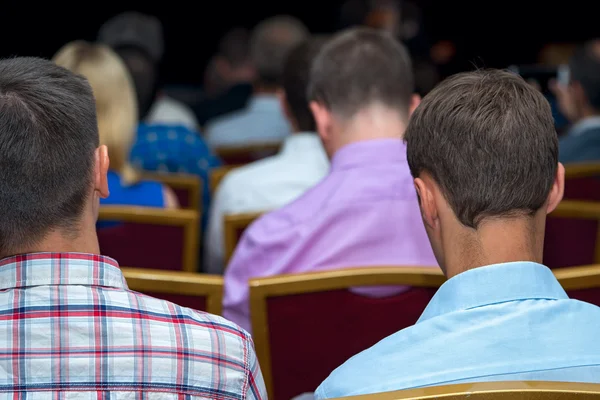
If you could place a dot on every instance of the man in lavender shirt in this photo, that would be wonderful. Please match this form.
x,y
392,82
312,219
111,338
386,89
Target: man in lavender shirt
x,y
365,212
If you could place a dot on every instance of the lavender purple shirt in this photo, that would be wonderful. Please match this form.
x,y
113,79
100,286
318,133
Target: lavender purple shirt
x,y
364,213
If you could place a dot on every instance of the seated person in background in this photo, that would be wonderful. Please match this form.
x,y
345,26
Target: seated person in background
x,y
138,39
364,213
228,78
117,117
166,140
579,101
263,120
275,181
483,150
71,327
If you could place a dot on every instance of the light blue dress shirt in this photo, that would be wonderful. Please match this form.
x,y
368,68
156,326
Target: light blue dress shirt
x,y
262,121
502,322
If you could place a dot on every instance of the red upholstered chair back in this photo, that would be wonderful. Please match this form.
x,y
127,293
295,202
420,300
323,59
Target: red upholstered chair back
x,y
187,188
571,239
306,325
572,234
200,292
581,283
234,226
246,154
151,238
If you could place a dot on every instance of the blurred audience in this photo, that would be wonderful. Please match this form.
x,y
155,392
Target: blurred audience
x,y
262,120
116,111
365,212
167,139
72,327
229,77
579,101
138,39
275,181
484,154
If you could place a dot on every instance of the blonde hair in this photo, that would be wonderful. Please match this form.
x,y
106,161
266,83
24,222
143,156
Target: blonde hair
x,y
116,105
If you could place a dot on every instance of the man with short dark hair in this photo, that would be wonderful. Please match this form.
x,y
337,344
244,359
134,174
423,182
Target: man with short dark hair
x,y
229,77
484,155
262,120
579,101
70,324
365,212
275,181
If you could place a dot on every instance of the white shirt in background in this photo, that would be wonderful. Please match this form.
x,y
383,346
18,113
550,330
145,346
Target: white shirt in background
x,y
262,121
168,111
263,186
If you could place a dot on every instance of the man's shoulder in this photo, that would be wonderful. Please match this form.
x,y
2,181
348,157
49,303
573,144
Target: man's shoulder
x,y
199,324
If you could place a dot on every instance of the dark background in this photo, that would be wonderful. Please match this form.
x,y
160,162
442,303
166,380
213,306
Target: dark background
x,y
487,33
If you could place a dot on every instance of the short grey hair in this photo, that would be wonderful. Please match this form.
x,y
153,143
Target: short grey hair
x,y
270,44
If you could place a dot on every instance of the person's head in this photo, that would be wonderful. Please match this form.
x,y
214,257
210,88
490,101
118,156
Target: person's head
x,y
116,107
138,39
361,88
270,42
580,98
233,57
296,75
484,154
52,170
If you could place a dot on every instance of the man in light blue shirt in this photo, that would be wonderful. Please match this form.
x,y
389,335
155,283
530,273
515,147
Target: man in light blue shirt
x,y
484,154
263,120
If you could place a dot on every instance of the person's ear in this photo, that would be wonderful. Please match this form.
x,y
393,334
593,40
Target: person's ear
x,y
427,202
415,100
323,120
558,189
101,172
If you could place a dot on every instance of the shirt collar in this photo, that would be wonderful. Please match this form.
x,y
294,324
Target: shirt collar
x,y
37,269
584,125
494,284
369,152
264,102
302,142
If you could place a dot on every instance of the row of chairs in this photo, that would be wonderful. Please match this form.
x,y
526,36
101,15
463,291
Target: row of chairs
x,y
283,307
572,235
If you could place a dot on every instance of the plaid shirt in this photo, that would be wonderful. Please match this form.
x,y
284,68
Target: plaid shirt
x,y
70,327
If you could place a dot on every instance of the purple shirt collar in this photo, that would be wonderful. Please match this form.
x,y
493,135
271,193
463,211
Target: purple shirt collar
x,y
369,152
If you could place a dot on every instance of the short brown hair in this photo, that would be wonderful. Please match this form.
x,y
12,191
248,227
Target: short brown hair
x,y
360,67
270,43
488,139
48,135
296,75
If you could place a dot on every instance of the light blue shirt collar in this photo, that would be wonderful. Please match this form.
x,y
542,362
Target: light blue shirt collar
x,y
494,284
264,102
585,125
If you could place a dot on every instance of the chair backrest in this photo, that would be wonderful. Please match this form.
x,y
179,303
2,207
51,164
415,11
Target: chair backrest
x,y
582,170
234,226
187,188
246,154
217,175
581,283
200,292
153,238
306,325
572,234
515,390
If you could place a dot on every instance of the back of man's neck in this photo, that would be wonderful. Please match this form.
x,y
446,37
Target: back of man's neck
x,y
495,242
373,123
